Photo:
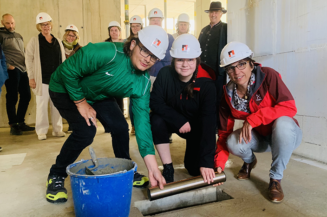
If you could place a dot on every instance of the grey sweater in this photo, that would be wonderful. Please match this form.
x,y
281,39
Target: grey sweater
x,y
13,48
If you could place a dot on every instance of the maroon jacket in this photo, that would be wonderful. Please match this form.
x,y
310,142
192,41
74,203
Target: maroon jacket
x,y
270,100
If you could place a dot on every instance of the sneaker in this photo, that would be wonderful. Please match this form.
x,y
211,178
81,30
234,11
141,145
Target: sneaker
x,y
56,192
140,181
133,130
42,137
168,172
15,130
24,127
59,134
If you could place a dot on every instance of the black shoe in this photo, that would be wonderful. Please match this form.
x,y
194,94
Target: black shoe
x,y
24,127
15,130
56,192
140,181
168,172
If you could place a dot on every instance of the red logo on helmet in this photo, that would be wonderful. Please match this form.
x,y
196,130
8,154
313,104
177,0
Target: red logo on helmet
x,y
41,18
134,18
184,48
231,53
155,12
71,26
156,43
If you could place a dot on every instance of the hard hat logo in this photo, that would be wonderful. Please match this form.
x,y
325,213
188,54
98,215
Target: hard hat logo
x,y
156,43
71,26
155,12
134,18
184,48
231,53
41,18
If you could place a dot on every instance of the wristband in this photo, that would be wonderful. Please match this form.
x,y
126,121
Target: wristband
x,y
80,101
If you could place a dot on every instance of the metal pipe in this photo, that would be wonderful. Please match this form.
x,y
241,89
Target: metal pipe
x,y
127,18
183,185
145,17
165,11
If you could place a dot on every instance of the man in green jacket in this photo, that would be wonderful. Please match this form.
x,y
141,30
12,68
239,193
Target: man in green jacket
x,y
82,89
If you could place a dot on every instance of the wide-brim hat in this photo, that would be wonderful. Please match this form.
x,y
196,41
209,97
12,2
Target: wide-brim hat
x,y
214,6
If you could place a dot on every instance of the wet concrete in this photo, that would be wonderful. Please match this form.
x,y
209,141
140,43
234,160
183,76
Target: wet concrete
x,y
22,187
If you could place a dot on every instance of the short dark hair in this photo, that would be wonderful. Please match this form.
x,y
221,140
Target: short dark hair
x,y
127,44
189,88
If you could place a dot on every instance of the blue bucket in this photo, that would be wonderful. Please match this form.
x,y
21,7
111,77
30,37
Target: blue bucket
x,y
102,195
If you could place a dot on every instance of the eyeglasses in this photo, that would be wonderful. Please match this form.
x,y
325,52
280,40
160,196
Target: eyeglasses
x,y
136,26
145,53
182,61
72,36
240,66
44,24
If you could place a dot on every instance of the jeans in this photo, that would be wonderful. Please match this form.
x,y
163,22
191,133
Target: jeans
x,y
110,116
17,83
285,138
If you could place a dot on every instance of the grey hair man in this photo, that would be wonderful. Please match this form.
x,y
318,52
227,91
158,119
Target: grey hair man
x,y
13,47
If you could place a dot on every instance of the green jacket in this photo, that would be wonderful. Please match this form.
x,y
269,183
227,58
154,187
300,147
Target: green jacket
x,y
102,70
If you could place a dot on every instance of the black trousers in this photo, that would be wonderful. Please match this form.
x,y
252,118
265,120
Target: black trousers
x,y
110,116
17,84
161,131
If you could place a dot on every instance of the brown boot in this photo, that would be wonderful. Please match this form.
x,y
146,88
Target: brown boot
x,y
275,191
245,171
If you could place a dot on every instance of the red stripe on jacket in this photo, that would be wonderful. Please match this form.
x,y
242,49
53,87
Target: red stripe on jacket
x,y
271,101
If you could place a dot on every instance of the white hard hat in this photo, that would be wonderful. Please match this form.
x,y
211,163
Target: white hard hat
x,y
136,19
71,27
155,39
155,12
183,18
233,52
185,46
43,17
114,23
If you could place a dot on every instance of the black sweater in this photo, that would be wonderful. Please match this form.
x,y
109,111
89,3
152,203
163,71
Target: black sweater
x,y
174,105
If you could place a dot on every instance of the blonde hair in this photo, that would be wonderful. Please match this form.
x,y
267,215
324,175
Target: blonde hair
x,y
38,26
69,31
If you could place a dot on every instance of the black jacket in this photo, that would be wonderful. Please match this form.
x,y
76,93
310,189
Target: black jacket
x,y
212,41
174,105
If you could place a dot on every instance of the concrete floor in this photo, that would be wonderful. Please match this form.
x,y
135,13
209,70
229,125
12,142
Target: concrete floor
x,y
22,187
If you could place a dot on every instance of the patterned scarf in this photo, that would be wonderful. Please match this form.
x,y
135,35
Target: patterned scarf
x,y
243,104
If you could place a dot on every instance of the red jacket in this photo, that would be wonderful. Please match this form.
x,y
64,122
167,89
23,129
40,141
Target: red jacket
x,y
270,100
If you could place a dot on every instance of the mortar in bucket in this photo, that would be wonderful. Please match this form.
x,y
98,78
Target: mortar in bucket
x,y
102,195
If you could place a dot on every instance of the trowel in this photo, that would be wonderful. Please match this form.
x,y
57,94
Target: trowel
x,y
90,171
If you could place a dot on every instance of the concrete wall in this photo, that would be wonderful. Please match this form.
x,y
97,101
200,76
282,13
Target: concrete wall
x,y
90,16
291,37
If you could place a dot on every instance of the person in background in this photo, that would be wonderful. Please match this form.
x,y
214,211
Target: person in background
x,y
136,25
155,18
114,31
71,46
182,25
13,47
44,53
82,89
183,101
3,72
212,39
257,95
